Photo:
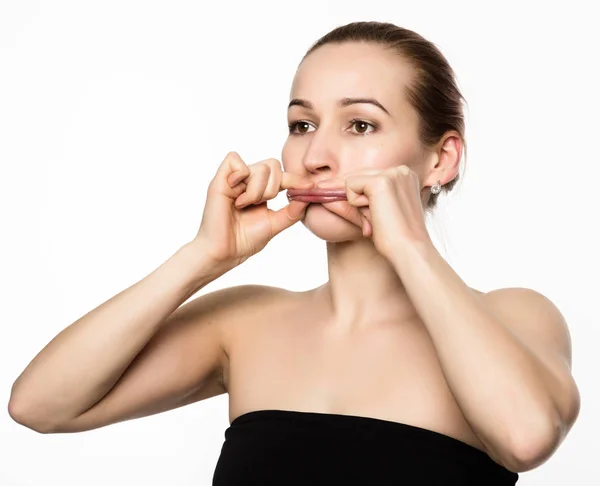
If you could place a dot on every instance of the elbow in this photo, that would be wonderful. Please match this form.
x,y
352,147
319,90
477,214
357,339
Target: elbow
x,y
530,449
18,413
528,456
533,443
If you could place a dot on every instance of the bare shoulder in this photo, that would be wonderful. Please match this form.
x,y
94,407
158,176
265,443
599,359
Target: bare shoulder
x,y
534,318
250,297
520,306
241,308
241,313
240,303
511,295
477,291
241,296
525,302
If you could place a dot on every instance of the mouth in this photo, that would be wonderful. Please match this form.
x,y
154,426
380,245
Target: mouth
x,y
316,195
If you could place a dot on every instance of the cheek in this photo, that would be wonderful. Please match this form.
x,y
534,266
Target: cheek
x,y
379,156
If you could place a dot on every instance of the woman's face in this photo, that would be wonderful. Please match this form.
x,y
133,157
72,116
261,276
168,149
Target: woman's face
x,y
349,113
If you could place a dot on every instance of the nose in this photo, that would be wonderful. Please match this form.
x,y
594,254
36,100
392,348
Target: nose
x,y
320,155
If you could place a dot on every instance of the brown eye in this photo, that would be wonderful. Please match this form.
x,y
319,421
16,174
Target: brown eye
x,y
300,127
361,127
303,127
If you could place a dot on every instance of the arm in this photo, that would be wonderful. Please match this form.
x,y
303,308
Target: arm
x,y
82,364
506,360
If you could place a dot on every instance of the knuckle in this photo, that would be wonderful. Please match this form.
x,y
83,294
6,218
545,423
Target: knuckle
x,y
273,163
268,195
235,161
385,182
232,156
258,167
263,168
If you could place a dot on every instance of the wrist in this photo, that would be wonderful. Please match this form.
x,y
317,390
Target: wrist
x,y
410,253
199,259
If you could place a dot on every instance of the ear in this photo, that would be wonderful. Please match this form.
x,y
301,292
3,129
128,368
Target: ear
x,y
444,159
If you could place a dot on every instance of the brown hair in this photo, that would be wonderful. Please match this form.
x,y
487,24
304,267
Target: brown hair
x,y
434,93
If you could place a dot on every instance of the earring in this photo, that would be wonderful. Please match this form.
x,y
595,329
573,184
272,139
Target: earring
x,y
436,188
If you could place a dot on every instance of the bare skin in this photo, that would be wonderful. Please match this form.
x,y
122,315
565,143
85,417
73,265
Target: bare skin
x,y
353,346
290,356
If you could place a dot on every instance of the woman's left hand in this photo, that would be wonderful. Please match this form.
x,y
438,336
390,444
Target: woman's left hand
x,y
389,202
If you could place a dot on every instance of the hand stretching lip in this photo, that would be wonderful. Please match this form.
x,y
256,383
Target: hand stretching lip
x,y
317,195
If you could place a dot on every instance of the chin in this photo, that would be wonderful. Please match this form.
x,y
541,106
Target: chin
x,y
329,226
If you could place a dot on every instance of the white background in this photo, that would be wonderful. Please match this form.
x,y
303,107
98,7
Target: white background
x,y
114,116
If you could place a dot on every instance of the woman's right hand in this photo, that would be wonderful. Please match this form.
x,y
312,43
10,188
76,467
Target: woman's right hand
x,y
236,222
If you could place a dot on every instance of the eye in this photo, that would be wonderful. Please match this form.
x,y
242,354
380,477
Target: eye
x,y
362,127
300,127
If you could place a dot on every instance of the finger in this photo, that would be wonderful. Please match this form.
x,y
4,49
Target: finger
x,y
356,189
231,171
357,200
236,177
367,228
286,216
274,183
366,212
354,186
334,183
238,189
255,186
223,189
346,211
295,181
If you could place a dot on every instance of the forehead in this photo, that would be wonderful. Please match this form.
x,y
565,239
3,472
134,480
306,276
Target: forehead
x,y
335,71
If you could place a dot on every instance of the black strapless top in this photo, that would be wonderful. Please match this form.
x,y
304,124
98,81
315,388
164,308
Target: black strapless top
x,y
284,448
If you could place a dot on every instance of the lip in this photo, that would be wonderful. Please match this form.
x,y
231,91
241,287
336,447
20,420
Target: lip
x,y
317,192
316,195
316,199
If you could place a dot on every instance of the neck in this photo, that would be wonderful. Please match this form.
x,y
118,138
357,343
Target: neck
x,y
363,286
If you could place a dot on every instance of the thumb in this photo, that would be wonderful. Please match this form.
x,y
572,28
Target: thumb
x,y
287,216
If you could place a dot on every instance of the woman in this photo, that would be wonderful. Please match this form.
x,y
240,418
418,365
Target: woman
x,y
394,370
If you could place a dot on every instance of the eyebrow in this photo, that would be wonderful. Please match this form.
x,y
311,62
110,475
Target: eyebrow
x,y
342,103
